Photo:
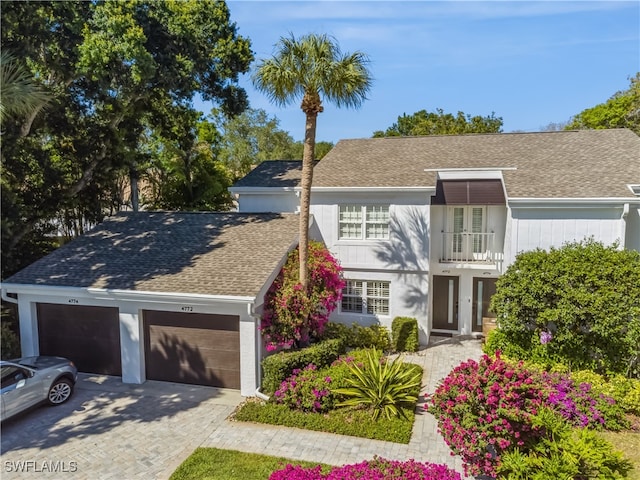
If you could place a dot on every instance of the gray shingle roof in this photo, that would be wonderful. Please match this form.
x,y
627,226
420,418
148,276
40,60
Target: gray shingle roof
x,y
202,253
576,164
273,173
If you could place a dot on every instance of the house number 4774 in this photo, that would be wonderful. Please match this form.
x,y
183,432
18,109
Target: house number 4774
x,y
186,309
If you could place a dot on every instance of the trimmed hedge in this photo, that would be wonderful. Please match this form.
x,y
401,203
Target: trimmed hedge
x,y
277,367
404,334
357,336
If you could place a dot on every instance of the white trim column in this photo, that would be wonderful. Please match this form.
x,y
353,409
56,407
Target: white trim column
x,y
27,315
249,355
131,344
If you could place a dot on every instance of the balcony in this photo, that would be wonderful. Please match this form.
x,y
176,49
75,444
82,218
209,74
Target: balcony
x,y
465,247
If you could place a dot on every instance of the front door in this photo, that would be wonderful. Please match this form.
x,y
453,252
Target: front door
x,y
445,303
483,290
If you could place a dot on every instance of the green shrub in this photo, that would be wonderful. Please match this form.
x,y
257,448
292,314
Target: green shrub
x,y
10,346
578,305
563,452
277,367
339,370
381,385
358,336
374,336
625,391
404,334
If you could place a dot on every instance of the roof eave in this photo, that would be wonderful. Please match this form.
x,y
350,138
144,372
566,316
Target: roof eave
x,y
372,189
117,294
262,190
549,202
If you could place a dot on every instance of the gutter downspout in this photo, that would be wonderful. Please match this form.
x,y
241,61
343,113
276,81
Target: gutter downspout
x,y
623,226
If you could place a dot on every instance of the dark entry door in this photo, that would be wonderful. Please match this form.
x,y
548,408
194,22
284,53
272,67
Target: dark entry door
x,y
445,302
483,290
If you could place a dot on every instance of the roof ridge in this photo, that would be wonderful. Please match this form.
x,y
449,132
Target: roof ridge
x,y
448,135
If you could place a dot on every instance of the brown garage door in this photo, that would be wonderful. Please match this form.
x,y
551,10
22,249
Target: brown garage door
x,y
196,348
90,336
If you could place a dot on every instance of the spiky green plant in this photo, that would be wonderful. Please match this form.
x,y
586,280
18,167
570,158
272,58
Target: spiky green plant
x,y
382,385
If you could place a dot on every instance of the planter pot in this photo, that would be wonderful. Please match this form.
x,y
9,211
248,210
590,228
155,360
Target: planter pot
x,y
488,324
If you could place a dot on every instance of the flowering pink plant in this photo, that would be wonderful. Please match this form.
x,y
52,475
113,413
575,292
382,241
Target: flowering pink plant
x,y
292,316
306,390
486,408
376,469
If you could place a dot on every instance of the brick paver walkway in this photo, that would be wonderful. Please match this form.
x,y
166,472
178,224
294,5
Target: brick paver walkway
x,y
426,444
109,430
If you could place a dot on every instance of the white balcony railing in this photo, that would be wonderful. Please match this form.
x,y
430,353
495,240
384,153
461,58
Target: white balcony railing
x,y
468,247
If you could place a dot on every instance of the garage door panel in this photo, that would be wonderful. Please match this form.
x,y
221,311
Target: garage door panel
x,y
200,337
202,349
87,335
194,321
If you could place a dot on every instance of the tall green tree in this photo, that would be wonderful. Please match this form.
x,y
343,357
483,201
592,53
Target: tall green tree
x,y
321,149
116,70
312,68
424,122
184,171
622,110
251,138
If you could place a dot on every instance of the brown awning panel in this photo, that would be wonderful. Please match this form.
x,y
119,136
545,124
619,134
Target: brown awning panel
x,y
469,192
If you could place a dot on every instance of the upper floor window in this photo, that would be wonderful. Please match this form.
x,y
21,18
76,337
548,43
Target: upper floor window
x,y
370,297
364,222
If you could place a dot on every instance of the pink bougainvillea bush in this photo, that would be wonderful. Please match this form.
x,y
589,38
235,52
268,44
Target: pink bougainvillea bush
x,y
307,390
292,316
486,408
376,469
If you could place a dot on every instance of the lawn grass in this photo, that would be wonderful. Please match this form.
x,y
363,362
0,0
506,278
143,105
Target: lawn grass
x,y
628,443
343,421
217,464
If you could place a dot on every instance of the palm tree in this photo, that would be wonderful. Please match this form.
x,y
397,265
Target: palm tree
x,y
21,95
312,68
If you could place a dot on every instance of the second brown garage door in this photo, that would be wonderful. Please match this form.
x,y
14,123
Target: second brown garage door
x,y
202,349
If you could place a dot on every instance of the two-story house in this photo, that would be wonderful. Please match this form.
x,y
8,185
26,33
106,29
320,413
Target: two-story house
x,y
423,226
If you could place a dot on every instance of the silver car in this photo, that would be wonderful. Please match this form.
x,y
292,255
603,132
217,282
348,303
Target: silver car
x,y
31,380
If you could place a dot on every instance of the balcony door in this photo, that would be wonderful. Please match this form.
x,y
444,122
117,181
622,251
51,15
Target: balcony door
x,y
468,232
445,302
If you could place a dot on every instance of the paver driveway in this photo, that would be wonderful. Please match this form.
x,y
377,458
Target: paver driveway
x,y
112,430
115,431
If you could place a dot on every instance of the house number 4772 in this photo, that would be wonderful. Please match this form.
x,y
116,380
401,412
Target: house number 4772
x,y
186,309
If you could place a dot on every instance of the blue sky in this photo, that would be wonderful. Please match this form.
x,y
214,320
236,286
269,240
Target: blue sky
x,y
531,63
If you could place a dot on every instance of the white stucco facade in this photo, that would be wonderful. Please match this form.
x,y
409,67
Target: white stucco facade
x,y
416,250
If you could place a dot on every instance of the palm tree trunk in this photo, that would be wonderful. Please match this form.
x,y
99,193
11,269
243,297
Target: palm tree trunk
x,y
305,194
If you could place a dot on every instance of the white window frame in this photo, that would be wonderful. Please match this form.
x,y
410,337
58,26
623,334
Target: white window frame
x,y
371,302
364,222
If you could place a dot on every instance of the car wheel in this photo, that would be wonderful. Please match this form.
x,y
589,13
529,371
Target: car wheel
x,y
60,391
